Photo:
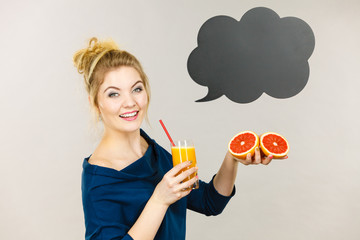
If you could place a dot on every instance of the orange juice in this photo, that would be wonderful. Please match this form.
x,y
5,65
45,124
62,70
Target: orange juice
x,y
183,154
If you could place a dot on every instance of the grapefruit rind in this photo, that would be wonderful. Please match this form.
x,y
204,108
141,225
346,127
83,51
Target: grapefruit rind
x,y
268,152
251,150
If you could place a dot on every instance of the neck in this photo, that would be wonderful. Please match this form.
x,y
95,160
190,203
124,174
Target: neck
x,y
120,145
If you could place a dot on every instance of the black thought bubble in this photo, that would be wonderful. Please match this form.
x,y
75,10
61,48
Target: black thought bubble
x,y
260,53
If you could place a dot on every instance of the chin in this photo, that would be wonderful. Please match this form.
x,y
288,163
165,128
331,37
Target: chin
x,y
131,126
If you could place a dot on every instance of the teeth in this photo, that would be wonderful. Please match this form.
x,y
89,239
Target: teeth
x,y
129,115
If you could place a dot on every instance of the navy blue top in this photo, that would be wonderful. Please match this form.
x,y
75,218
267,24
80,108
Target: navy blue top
x,y
113,200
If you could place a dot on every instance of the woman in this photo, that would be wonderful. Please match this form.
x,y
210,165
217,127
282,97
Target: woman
x,y
130,189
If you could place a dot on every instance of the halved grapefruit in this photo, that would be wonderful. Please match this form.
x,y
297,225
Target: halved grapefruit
x,y
274,144
243,143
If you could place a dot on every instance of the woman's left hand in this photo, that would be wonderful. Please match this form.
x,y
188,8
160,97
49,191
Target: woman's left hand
x,y
258,158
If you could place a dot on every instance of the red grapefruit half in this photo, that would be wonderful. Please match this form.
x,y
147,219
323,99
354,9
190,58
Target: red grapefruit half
x,y
274,144
243,143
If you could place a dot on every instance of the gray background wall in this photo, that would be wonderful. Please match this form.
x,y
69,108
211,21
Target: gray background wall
x,y
46,128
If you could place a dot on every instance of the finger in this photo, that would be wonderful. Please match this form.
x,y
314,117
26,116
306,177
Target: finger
x,y
257,156
240,160
262,153
282,158
267,160
243,161
187,184
185,175
175,170
248,159
183,193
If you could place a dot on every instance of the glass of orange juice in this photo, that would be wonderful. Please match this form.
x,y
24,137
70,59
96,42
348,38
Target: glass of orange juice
x,y
184,150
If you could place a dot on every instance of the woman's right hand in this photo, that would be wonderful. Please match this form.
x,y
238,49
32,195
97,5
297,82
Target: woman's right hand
x,y
167,191
171,188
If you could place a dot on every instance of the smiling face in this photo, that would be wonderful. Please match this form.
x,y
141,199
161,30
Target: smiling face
x,y
122,100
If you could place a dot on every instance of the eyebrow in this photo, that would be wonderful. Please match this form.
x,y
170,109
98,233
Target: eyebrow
x,y
139,81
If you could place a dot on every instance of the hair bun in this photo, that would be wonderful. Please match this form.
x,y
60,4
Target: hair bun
x,y
86,59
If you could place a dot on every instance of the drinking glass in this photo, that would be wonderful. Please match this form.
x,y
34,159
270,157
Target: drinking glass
x,y
184,150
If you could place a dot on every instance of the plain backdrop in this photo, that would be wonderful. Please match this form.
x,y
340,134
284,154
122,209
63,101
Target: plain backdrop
x,y
46,128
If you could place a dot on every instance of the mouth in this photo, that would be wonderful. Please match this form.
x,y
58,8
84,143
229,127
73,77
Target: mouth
x,y
129,116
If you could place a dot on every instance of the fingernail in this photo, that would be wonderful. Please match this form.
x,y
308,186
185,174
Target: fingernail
x,y
271,156
190,162
285,157
257,148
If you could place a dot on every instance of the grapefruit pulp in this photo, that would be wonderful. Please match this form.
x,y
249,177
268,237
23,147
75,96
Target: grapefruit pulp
x,y
274,144
243,143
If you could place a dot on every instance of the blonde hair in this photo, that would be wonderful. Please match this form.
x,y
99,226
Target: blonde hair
x,y
99,58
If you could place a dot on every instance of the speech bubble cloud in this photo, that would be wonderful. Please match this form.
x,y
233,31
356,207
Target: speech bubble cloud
x,y
260,53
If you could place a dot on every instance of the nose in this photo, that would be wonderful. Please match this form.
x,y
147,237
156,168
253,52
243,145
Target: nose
x,y
129,101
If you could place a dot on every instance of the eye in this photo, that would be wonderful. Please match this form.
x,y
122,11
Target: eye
x,y
138,89
113,94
